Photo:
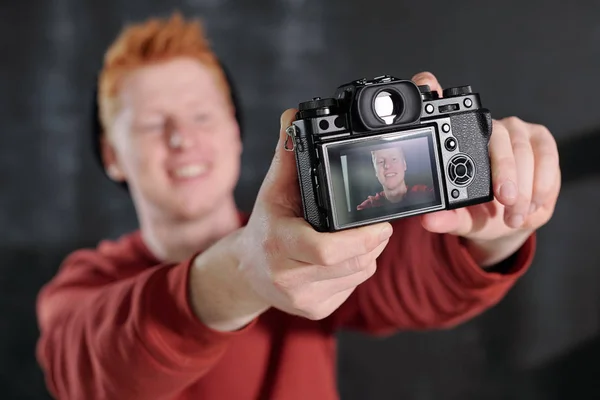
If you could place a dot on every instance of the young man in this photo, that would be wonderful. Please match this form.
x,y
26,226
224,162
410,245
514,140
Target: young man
x,y
390,170
200,303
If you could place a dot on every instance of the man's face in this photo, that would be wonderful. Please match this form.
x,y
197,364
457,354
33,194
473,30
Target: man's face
x,y
389,167
176,140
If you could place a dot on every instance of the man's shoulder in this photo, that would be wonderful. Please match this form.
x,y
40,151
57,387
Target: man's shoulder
x,y
128,245
420,189
126,249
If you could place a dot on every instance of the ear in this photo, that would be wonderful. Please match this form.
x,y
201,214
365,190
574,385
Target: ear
x,y
109,159
405,167
239,138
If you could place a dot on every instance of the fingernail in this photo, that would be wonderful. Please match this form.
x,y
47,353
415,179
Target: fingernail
x,y
532,208
385,233
509,190
516,220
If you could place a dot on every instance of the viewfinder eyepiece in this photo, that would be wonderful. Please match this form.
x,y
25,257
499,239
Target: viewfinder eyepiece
x,y
388,105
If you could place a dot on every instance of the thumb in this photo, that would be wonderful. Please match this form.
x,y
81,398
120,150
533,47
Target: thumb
x,y
447,221
281,182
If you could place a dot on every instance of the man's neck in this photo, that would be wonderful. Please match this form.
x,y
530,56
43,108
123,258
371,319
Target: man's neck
x,y
397,194
174,241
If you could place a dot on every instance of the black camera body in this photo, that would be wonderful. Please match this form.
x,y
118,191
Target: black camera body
x,y
385,148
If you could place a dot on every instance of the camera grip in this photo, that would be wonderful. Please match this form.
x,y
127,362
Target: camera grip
x,y
308,189
472,131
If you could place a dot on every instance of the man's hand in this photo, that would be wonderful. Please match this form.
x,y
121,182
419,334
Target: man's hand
x,y
291,266
526,182
278,260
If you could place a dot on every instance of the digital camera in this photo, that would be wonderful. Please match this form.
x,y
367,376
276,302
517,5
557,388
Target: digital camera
x,y
384,148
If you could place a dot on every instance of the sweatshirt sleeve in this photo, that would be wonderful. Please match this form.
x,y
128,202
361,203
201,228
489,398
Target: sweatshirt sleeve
x,y
426,281
131,337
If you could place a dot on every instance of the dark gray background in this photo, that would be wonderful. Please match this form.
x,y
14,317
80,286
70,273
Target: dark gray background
x,y
535,59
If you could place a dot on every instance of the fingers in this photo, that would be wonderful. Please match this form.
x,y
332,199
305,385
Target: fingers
x,y
516,213
300,242
363,265
334,302
280,185
447,221
319,308
329,249
346,274
546,167
345,283
526,178
504,167
283,160
324,297
427,78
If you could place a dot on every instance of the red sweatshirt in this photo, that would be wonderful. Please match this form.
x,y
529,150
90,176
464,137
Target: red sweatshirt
x,y
117,324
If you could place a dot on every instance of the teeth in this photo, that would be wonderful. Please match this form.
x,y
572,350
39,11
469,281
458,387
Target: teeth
x,y
190,171
390,174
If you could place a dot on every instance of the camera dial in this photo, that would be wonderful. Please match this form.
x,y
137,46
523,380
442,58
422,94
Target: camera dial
x,y
458,91
317,107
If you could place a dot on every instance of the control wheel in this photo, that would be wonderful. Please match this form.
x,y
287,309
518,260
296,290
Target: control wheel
x,y
317,107
461,170
317,102
427,93
458,91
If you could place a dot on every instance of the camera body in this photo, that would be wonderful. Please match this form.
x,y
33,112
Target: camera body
x,y
385,148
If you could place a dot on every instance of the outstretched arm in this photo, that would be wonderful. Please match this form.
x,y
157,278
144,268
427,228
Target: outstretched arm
x,y
426,281
443,268
125,331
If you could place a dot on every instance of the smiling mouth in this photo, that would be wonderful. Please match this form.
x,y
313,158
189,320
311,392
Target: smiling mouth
x,y
190,171
390,174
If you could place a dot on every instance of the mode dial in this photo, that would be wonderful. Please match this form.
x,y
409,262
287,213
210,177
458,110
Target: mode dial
x,y
458,91
317,103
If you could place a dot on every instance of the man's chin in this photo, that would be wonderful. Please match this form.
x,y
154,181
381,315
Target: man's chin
x,y
194,209
393,186
190,202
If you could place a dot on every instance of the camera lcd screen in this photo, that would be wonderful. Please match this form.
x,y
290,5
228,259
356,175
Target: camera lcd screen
x,y
383,177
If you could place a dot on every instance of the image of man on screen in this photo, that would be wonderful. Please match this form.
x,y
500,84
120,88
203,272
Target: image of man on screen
x,y
390,169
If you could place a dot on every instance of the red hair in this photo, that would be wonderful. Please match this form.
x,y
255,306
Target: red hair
x,y
153,41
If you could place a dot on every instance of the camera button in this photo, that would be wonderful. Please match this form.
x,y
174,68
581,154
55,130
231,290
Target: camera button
x,y
457,91
446,128
429,108
468,103
450,144
455,193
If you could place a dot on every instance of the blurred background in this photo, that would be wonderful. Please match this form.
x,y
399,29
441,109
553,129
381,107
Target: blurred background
x,y
538,60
